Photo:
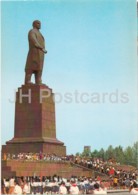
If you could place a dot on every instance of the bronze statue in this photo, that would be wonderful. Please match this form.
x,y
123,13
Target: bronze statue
x,y
35,58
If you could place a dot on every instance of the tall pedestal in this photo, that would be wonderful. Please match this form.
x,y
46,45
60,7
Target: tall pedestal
x,y
35,126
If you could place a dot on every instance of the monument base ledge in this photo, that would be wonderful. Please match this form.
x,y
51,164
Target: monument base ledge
x,y
34,140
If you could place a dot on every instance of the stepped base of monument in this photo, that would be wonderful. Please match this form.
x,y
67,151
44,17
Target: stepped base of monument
x,y
34,145
41,168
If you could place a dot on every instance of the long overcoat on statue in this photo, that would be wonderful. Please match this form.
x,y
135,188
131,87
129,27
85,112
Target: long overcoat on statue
x,y
35,58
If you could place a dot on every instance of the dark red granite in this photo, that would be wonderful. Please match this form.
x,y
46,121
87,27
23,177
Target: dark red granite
x,y
35,123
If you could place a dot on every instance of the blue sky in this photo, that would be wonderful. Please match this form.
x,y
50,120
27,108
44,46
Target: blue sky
x,y
91,49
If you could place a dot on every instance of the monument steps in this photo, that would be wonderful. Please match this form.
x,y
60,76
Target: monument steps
x,y
7,172
42,168
96,173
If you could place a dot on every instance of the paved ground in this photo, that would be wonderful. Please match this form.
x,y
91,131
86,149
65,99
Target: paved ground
x,y
119,193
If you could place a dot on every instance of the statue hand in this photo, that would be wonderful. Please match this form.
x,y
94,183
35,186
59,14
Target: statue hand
x,y
44,50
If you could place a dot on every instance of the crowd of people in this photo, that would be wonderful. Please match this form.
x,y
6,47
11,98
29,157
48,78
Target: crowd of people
x,y
58,185
118,177
52,185
115,177
36,157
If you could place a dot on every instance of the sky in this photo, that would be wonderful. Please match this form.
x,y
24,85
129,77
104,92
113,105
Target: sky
x,y
92,59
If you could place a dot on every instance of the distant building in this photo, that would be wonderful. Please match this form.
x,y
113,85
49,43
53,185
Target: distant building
x,y
87,148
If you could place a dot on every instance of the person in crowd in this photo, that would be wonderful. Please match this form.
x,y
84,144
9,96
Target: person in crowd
x,y
11,185
6,185
62,188
26,187
48,187
115,182
98,189
55,187
17,188
74,188
67,184
133,190
3,188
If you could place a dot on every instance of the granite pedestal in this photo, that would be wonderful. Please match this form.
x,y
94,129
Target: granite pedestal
x,y
35,123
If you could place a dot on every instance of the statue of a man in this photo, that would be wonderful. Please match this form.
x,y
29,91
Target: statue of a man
x,y
35,58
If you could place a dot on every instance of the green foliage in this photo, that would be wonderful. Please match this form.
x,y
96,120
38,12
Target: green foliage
x,y
135,153
86,153
101,154
95,154
128,156
109,153
78,154
119,154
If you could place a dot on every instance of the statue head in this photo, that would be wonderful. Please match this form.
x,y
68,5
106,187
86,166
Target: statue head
x,y
37,24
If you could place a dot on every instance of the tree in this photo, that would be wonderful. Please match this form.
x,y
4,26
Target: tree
x,y
94,154
109,153
101,153
128,155
78,154
119,154
135,154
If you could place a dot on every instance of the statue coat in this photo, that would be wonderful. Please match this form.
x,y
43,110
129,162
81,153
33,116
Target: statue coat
x,y
35,58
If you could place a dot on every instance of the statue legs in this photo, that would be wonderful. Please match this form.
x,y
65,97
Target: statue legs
x,y
38,75
28,75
